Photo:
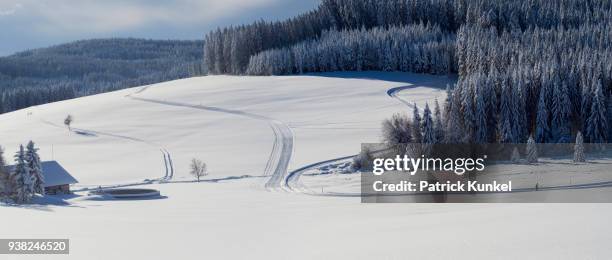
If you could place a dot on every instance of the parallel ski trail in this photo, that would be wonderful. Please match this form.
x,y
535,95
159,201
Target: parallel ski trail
x,y
282,148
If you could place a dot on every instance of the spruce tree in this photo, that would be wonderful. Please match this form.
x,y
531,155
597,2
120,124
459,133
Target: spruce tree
x,y
429,135
438,123
35,168
481,119
417,135
454,129
597,125
542,126
506,133
579,149
469,118
516,156
532,150
23,183
560,123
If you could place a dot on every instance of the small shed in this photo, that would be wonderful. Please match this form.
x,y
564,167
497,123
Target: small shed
x,y
57,179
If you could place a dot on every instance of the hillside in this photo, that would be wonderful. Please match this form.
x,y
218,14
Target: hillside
x,y
92,66
248,129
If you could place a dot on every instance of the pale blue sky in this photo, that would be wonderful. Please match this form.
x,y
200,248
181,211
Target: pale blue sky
x,y
27,24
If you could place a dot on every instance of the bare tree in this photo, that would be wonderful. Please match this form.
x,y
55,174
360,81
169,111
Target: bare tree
x,y
68,121
198,168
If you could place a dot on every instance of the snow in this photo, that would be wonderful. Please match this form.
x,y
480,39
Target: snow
x,y
251,132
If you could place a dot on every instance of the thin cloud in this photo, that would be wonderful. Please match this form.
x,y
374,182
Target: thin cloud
x,y
10,11
75,16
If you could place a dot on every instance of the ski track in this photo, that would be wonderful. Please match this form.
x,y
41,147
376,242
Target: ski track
x,y
282,148
168,166
292,183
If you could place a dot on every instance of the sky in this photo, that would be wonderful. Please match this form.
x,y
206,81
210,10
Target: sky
x,y
28,24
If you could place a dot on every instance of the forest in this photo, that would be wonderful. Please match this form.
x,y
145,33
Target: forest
x,y
526,68
93,66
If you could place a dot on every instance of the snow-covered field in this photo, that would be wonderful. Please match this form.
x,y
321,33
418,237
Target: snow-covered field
x,y
254,131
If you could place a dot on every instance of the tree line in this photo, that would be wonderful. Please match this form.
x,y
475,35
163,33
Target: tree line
x,y
415,48
94,66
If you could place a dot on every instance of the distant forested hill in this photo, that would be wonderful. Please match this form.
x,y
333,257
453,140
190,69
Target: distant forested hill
x,y
93,66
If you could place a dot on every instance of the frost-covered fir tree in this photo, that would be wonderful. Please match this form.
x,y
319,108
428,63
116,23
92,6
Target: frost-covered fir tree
x,y
597,124
447,103
417,135
454,132
506,120
516,156
23,183
532,150
481,119
438,123
561,112
429,135
542,126
35,168
469,118
579,149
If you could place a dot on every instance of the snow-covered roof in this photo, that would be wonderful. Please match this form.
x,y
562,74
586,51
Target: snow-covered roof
x,y
54,174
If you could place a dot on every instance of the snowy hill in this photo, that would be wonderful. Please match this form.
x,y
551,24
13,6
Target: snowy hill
x,y
252,131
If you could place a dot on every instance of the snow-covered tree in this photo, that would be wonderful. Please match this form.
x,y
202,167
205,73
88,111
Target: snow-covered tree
x,y
438,123
579,149
506,119
481,135
35,168
469,117
68,121
597,123
516,156
532,150
397,130
198,169
23,183
428,130
542,125
561,112
417,134
454,130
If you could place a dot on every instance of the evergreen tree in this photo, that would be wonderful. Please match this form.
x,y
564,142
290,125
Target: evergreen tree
x,y
428,130
438,123
579,149
542,126
516,156
506,133
597,124
481,119
469,118
560,124
454,130
417,135
23,183
532,151
35,169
